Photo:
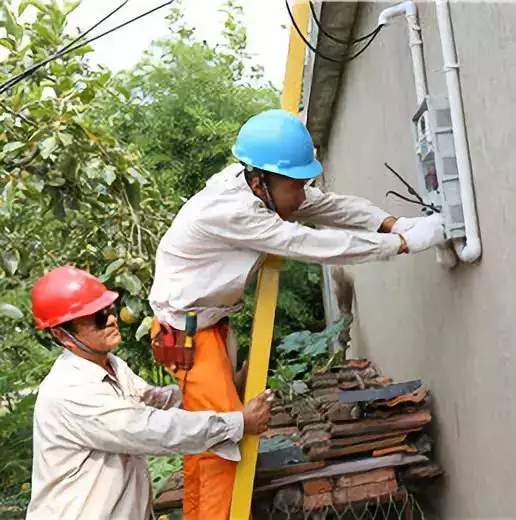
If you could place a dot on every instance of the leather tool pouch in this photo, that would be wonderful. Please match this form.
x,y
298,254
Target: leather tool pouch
x,y
168,347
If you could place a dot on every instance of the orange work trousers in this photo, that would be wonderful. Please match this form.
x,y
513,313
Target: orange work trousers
x,y
209,479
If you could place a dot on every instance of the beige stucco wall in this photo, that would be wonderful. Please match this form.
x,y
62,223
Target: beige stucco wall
x,y
457,330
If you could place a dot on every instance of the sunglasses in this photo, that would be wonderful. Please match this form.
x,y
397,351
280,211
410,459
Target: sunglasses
x,y
101,317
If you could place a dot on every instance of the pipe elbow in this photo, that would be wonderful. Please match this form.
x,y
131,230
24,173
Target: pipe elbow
x,y
407,8
468,251
410,8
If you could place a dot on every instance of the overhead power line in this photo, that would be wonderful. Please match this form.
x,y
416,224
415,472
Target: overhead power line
x,y
71,46
331,36
371,37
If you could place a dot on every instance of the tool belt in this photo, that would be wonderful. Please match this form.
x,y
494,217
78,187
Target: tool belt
x,y
169,348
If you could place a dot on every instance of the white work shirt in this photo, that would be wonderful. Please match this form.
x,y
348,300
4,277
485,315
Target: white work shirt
x,y
92,433
219,237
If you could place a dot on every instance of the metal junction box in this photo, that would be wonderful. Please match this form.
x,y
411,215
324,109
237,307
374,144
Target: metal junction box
x,y
437,163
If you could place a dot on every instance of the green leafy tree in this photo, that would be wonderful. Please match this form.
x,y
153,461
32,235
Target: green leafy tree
x,y
188,101
69,193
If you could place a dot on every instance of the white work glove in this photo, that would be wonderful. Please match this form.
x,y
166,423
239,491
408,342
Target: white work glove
x,y
403,224
164,397
426,233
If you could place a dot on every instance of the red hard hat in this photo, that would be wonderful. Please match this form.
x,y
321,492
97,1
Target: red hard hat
x,y
66,293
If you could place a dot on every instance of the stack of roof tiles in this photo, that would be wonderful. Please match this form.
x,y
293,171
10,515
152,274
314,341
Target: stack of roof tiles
x,y
353,438
359,436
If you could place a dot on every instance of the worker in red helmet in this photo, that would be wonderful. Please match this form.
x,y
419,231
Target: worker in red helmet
x,y
95,421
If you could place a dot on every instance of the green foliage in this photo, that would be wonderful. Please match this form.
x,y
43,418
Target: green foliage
x,y
186,102
24,361
303,353
300,305
160,470
13,506
70,191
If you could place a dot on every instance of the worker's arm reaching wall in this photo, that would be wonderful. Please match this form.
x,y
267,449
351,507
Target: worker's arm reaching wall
x,y
340,211
253,226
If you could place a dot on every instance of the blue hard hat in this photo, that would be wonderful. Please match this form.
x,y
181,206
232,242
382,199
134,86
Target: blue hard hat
x,y
277,142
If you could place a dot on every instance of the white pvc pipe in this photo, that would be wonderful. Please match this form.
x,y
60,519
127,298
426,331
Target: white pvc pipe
x,y
416,51
405,8
445,255
409,10
472,249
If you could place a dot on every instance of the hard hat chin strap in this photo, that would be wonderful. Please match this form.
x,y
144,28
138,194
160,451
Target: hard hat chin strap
x,y
263,185
268,197
80,345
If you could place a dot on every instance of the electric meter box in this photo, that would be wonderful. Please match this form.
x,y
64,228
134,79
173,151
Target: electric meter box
x,y
437,163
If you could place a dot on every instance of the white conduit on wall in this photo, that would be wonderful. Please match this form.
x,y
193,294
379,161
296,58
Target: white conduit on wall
x,y
471,250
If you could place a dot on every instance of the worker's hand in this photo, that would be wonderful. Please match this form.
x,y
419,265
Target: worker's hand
x,y
163,397
427,233
257,413
404,224
387,224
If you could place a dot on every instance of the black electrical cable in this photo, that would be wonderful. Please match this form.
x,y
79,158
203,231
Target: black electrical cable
x,y
319,53
410,189
334,38
7,84
302,36
419,200
374,35
423,205
373,32
68,48
105,33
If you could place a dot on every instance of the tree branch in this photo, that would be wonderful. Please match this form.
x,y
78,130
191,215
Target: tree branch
x,y
136,221
18,115
27,160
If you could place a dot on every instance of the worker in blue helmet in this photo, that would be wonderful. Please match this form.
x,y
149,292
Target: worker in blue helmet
x,y
275,142
259,205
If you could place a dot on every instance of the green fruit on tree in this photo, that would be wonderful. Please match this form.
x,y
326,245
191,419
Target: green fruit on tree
x,y
127,316
109,254
136,264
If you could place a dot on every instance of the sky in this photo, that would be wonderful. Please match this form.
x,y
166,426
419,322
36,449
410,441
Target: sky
x,y
267,39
